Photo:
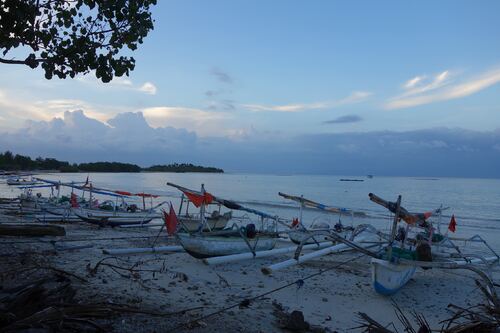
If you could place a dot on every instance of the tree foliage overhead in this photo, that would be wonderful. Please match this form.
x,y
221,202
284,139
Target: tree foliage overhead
x,y
67,37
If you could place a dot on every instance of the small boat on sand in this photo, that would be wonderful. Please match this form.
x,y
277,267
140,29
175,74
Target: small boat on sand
x,y
223,243
234,240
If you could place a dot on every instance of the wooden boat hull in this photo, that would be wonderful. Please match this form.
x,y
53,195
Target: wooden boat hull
x,y
100,213
388,278
48,218
58,210
112,221
203,246
21,183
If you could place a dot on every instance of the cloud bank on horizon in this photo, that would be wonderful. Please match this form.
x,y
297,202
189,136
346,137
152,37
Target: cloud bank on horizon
x,y
129,138
321,88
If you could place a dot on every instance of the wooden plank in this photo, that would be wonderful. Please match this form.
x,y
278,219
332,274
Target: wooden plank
x,y
31,230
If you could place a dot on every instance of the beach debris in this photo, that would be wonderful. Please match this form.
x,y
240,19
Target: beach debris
x,y
478,319
133,271
49,303
222,281
294,321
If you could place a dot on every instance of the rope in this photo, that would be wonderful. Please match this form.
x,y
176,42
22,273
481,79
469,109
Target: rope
x,y
246,302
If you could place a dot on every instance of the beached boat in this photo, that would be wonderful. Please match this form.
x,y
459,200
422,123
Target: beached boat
x,y
406,249
313,234
235,240
222,244
396,264
190,222
106,213
388,278
105,217
112,221
20,181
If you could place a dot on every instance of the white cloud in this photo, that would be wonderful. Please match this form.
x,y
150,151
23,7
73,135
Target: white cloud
x,y
285,108
441,89
413,82
17,110
201,121
118,82
354,97
148,88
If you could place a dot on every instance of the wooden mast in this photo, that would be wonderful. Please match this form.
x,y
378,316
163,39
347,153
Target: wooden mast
x,y
394,228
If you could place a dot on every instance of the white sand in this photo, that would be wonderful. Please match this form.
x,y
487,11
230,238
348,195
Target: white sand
x,y
330,300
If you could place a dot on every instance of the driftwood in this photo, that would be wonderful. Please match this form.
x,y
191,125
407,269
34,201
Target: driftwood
x,y
31,230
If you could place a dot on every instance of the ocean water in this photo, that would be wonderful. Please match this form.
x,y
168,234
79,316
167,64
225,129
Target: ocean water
x,y
474,202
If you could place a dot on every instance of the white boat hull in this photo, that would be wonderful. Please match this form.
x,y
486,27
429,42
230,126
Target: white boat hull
x,y
388,278
112,220
100,213
203,246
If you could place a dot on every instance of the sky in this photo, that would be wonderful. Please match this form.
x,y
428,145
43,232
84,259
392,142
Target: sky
x,y
323,87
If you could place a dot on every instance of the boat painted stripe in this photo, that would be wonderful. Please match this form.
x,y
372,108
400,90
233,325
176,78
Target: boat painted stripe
x,y
379,288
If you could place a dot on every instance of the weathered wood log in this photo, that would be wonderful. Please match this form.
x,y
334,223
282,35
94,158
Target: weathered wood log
x,y
31,230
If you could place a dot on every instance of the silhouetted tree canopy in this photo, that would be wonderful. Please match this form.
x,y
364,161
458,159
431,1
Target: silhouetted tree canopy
x,y
11,162
68,37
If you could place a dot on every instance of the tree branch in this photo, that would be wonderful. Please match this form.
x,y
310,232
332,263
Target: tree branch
x,y
18,62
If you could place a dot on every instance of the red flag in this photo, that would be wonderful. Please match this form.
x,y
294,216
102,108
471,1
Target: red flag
x,y
198,199
453,224
170,220
74,201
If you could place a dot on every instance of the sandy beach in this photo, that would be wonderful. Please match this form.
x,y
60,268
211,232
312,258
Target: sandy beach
x,y
181,293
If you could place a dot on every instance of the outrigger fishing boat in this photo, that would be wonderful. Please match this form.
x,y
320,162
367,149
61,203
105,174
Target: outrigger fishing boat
x,y
108,213
396,264
233,240
20,181
407,248
190,221
313,234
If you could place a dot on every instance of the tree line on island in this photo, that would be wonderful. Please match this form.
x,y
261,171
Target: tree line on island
x,y
11,162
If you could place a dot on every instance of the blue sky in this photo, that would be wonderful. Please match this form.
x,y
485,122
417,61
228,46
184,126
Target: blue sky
x,y
251,72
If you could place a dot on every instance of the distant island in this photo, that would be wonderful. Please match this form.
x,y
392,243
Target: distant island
x,y
11,162
182,167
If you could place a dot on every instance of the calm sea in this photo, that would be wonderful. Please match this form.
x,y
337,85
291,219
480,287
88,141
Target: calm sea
x,y
474,202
